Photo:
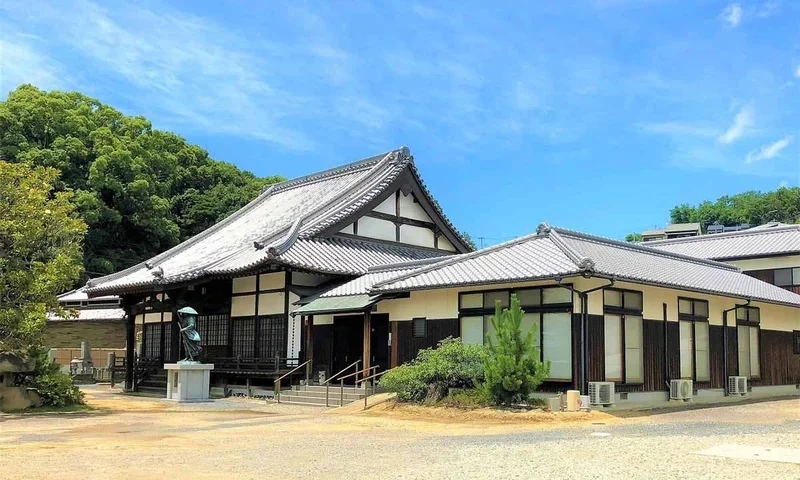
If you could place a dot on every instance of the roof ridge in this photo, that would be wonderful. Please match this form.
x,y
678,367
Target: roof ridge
x,y
644,249
331,172
403,265
581,261
715,236
458,258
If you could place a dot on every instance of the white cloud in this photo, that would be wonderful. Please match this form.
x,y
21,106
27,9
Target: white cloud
x,y
769,151
22,62
679,128
783,184
732,15
741,122
768,8
797,71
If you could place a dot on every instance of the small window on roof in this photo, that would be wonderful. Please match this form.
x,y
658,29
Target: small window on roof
x,y
529,297
556,295
471,300
489,299
612,298
419,327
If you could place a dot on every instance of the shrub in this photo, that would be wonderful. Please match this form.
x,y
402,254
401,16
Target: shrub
x,y
451,364
512,368
54,388
468,399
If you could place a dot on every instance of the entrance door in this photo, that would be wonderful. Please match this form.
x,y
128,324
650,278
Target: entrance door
x,y
379,343
348,341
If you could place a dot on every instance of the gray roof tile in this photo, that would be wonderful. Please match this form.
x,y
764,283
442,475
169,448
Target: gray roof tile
x,y
757,242
553,252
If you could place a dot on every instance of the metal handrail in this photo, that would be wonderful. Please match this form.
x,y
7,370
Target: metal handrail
x,y
327,381
366,394
360,371
277,387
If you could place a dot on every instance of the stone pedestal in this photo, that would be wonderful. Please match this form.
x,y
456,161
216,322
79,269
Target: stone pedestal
x,y
188,382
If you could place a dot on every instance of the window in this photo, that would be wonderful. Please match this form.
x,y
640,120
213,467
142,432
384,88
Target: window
x,y
787,277
748,341
623,338
694,359
419,327
548,313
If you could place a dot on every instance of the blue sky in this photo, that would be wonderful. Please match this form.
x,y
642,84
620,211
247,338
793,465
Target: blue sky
x,y
597,115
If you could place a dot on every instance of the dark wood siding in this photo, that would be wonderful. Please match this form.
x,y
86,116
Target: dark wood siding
x,y
437,330
715,339
653,362
597,350
779,366
763,275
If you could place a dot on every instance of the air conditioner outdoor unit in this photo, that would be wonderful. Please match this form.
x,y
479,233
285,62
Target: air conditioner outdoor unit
x,y
680,390
601,393
737,385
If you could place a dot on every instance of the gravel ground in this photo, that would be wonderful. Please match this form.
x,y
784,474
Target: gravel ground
x,y
230,442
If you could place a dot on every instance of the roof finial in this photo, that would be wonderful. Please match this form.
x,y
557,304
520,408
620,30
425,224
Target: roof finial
x,y
543,229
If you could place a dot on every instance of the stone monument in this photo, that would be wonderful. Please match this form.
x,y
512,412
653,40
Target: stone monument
x,y
82,369
188,380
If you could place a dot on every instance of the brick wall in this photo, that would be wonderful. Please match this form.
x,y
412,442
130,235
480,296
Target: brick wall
x,y
99,334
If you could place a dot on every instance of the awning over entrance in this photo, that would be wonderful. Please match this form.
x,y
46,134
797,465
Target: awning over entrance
x,y
339,304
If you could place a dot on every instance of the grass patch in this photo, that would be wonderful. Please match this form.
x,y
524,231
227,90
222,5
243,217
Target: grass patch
x,y
476,398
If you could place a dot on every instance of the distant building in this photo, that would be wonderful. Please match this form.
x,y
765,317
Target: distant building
x,y
676,230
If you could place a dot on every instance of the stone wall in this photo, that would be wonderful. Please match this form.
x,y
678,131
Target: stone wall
x,y
99,334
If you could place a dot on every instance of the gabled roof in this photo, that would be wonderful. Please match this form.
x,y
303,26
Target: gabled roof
x,y
682,227
752,243
552,253
285,225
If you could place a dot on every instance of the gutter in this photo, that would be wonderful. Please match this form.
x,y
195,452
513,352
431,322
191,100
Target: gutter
x,y
725,343
584,296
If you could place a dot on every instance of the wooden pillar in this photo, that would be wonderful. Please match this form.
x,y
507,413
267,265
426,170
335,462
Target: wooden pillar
x,y
367,339
395,348
130,342
309,324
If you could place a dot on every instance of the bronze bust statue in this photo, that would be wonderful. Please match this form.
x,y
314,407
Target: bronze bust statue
x,y
187,321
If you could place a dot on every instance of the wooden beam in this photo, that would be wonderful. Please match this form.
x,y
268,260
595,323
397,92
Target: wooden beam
x,y
401,220
130,343
309,325
395,348
367,339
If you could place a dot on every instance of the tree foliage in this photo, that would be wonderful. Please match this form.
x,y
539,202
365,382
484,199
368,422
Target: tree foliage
x,y
755,208
40,251
512,369
139,190
633,237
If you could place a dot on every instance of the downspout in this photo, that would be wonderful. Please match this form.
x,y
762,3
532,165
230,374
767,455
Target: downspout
x,y
584,296
666,347
725,344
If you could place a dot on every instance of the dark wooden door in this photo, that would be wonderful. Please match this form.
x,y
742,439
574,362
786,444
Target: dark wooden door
x,y
379,343
348,341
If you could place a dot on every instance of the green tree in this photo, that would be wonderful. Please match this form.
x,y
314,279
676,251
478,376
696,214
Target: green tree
x,y
754,208
466,236
633,237
139,190
512,369
40,251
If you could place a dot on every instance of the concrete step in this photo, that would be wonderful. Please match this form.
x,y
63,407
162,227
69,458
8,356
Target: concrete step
x,y
298,399
334,395
321,388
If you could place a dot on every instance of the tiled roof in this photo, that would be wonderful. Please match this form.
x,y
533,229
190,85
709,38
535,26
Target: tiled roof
x,y
755,242
349,303
91,314
80,295
553,253
682,227
280,226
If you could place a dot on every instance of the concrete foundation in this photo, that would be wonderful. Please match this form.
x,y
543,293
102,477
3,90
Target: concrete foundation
x,y
188,382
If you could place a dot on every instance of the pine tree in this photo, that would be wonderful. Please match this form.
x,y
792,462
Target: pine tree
x,y
512,367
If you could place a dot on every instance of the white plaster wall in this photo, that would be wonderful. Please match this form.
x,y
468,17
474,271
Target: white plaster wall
x,y
444,244
409,209
323,319
767,263
271,281
308,279
244,284
376,228
152,317
244,306
270,303
348,229
388,206
416,235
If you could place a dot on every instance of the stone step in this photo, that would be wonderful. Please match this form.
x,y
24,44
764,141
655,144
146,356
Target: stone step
x,y
298,399
321,388
334,395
